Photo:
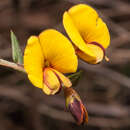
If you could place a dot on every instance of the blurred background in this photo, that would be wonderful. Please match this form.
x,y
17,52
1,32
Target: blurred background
x,y
104,88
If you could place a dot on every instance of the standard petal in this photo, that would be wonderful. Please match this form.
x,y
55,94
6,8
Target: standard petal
x,y
51,81
65,81
75,35
34,61
83,26
88,24
58,51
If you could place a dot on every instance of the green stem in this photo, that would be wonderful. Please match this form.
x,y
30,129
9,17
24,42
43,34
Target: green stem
x,y
75,74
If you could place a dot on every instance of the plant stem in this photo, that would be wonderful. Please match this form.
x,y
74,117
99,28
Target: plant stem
x,y
12,65
75,74
19,67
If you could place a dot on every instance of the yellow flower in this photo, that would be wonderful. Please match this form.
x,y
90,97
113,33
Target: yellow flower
x,y
88,32
46,57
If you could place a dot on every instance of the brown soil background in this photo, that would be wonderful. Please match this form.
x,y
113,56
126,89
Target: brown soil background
x,y
104,88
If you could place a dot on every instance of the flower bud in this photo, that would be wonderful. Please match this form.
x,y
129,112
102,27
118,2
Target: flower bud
x,y
75,106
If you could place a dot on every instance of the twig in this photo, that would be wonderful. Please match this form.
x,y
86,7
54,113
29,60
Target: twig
x,y
12,65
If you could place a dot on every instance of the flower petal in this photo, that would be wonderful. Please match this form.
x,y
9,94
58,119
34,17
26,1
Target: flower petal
x,y
83,25
89,24
46,90
34,61
65,81
58,51
75,36
51,81
98,51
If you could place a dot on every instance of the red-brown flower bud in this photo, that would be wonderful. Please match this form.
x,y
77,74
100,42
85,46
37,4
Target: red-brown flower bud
x,y
75,106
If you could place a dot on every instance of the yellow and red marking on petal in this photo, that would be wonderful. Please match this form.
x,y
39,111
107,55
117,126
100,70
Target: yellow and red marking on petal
x,y
64,80
51,80
54,80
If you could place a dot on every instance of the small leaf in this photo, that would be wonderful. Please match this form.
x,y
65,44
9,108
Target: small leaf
x,y
75,77
16,51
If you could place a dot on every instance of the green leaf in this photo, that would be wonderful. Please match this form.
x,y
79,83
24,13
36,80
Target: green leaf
x,y
16,51
75,77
